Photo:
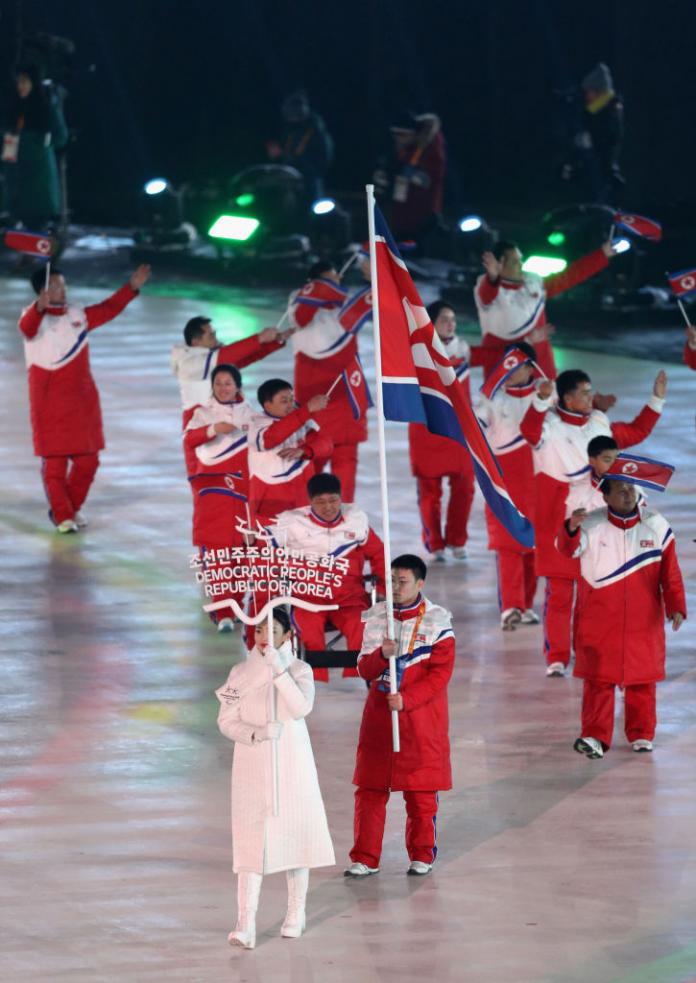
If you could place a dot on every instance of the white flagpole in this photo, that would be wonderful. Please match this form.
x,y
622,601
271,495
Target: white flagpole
x,y
274,716
381,443
48,274
684,314
348,263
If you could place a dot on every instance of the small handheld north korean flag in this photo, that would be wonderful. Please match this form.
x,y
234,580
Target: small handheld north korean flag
x,y
30,243
508,364
643,471
639,225
682,283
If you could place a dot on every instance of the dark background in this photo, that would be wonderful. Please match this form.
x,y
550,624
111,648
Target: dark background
x,y
191,90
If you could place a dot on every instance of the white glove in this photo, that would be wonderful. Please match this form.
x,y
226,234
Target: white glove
x,y
271,732
272,657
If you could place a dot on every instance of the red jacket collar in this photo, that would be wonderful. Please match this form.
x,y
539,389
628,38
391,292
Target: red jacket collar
x,y
624,521
55,310
573,419
520,391
411,610
325,525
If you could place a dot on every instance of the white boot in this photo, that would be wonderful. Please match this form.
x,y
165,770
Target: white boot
x,y
298,882
248,890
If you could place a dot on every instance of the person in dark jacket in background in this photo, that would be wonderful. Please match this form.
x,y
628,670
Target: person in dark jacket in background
x,y
601,136
305,143
35,131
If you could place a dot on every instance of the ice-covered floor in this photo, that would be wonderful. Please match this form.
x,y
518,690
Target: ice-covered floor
x,y
114,802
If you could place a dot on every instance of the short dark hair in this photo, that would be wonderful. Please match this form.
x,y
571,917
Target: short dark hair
x,y
321,266
231,370
270,388
38,277
437,307
323,484
504,246
409,561
194,328
568,381
524,346
280,614
601,443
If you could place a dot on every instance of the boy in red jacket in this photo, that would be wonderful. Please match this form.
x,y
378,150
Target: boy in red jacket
x,y
424,650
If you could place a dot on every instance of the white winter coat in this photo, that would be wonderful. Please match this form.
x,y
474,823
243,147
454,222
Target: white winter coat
x,y
299,835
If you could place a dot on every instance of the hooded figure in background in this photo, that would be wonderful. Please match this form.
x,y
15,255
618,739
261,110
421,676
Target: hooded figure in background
x,y
35,130
305,143
418,174
601,134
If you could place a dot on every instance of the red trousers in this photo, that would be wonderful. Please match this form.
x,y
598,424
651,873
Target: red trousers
x,y
312,628
368,827
458,509
558,619
67,480
344,464
640,717
517,580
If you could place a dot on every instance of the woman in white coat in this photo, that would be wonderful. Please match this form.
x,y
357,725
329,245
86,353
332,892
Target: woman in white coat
x,y
298,837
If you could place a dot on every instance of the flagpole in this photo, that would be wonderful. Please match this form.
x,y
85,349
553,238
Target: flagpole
x,y
684,314
347,265
382,448
48,274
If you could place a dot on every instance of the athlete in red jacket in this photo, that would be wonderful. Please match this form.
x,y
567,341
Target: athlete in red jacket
x,y
326,322
63,399
328,527
630,579
194,362
216,439
424,650
690,348
434,458
559,436
512,304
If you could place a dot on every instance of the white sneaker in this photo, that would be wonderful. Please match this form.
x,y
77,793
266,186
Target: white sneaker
x,y
67,525
244,933
510,619
556,669
81,519
295,922
439,556
418,869
589,746
642,746
529,617
225,624
459,552
360,870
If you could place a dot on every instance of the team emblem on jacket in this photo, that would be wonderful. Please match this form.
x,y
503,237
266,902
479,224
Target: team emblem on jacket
x,y
349,535
630,467
230,694
229,482
355,378
647,542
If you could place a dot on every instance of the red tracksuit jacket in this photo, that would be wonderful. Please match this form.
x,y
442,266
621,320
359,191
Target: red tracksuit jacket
x,y
63,398
629,576
424,667
559,440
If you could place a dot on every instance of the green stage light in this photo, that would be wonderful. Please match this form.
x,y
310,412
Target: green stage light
x,y
235,227
555,238
544,265
245,199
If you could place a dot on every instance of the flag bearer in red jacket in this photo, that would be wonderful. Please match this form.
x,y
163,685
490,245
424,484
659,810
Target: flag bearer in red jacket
x,y
63,399
424,649
630,581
